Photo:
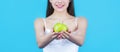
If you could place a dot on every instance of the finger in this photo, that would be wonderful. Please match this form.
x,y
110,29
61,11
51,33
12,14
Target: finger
x,y
54,36
69,31
58,37
57,33
61,35
65,35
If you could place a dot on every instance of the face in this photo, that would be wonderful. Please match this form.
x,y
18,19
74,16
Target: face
x,y
60,5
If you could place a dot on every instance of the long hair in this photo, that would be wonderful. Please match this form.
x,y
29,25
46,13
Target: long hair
x,y
70,8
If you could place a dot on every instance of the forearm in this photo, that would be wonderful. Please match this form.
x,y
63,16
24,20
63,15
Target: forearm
x,y
44,40
76,37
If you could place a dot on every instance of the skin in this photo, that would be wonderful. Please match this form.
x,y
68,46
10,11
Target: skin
x,y
75,34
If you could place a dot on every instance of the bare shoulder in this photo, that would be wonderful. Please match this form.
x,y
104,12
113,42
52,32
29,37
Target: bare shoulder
x,y
82,19
82,22
38,21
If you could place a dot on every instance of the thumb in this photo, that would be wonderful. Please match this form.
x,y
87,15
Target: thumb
x,y
69,31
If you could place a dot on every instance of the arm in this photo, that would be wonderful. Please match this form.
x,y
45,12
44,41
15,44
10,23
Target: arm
x,y
77,36
41,38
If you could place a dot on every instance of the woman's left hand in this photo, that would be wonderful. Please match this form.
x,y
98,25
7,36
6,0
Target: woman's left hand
x,y
64,35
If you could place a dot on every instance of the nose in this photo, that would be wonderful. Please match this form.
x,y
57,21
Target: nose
x,y
59,1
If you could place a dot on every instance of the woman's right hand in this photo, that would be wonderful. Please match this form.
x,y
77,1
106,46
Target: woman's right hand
x,y
55,35
59,35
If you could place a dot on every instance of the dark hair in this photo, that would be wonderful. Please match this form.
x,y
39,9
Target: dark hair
x,y
70,8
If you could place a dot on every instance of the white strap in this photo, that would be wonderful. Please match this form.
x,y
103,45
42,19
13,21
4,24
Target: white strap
x,y
44,23
76,21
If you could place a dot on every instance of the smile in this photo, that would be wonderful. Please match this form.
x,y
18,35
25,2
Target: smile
x,y
59,6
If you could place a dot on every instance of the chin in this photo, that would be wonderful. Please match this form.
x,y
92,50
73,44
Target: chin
x,y
59,10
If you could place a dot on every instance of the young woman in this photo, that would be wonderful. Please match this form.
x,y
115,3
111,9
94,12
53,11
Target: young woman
x,y
65,41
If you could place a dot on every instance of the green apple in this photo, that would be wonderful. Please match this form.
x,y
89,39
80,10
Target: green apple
x,y
58,27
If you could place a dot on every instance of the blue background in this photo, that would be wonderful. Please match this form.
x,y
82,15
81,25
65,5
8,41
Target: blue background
x,y
17,24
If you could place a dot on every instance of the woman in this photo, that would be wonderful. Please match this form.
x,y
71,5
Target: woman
x,y
65,41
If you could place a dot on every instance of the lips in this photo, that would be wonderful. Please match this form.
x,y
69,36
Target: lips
x,y
59,6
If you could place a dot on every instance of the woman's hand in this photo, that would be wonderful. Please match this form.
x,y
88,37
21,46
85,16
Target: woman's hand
x,y
66,34
63,35
54,35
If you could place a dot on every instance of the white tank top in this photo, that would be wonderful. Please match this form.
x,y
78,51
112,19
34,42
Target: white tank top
x,y
61,45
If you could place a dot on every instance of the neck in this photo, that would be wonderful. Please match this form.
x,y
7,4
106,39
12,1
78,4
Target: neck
x,y
60,15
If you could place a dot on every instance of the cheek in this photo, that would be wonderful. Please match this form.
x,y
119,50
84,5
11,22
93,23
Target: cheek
x,y
52,3
66,5
67,2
